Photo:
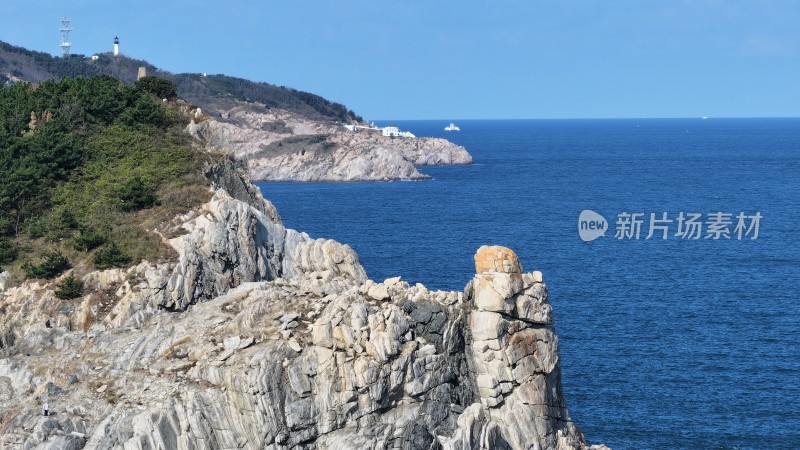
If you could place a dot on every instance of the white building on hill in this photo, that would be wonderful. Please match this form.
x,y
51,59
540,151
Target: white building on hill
x,y
395,132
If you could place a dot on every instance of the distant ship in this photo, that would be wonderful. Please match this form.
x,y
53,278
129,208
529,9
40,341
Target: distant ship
x,y
452,127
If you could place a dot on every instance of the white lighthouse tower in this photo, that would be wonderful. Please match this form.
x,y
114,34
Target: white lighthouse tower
x,y
116,46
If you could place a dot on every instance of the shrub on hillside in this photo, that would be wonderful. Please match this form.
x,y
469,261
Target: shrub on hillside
x,y
88,240
144,111
61,225
110,256
54,264
36,228
159,87
135,194
69,288
8,251
67,219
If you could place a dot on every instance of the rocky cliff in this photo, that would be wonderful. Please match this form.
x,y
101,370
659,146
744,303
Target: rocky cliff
x,y
283,134
258,336
278,145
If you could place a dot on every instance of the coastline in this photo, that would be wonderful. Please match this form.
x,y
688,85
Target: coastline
x,y
252,313
278,145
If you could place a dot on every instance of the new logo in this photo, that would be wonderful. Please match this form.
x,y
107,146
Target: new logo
x,y
591,225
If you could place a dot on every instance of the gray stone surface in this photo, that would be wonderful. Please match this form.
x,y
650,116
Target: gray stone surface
x,y
514,354
257,336
304,150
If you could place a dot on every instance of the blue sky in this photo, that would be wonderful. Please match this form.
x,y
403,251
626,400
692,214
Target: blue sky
x,y
463,59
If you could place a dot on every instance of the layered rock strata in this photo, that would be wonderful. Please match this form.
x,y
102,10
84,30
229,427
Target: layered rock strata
x,y
513,353
258,336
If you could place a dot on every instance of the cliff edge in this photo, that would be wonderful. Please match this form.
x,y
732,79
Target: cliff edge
x,y
171,308
258,336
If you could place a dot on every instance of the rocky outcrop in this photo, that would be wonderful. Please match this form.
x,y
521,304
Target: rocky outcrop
x,y
220,245
281,146
514,356
4,278
315,361
258,336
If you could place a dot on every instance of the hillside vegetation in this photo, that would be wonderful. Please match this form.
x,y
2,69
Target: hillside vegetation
x,y
212,92
90,166
17,63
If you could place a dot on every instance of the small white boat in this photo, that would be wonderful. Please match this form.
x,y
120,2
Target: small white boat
x,y
452,127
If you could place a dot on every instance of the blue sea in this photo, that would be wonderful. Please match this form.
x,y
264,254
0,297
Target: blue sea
x,y
665,343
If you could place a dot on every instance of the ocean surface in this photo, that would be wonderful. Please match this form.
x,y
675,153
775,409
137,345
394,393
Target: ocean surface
x,y
665,343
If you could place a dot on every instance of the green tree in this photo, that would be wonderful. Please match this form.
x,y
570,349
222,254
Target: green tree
x,y
8,251
159,87
54,264
77,155
88,239
144,111
110,256
69,288
135,194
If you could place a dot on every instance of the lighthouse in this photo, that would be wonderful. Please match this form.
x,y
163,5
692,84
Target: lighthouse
x,y
116,46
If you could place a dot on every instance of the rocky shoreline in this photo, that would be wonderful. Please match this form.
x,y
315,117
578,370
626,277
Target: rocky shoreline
x,y
259,336
281,146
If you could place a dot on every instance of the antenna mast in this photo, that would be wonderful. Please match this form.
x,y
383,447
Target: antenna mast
x,y
65,29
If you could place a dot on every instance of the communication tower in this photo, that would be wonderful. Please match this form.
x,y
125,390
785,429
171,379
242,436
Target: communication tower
x,y
65,29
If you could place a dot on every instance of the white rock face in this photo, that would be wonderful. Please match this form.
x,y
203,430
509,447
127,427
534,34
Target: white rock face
x,y
4,278
261,337
321,151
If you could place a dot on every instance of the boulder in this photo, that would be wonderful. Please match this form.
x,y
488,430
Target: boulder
x,y
494,258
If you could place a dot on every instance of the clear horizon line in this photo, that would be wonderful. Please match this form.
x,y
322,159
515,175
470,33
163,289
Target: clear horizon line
x,y
55,55
593,118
